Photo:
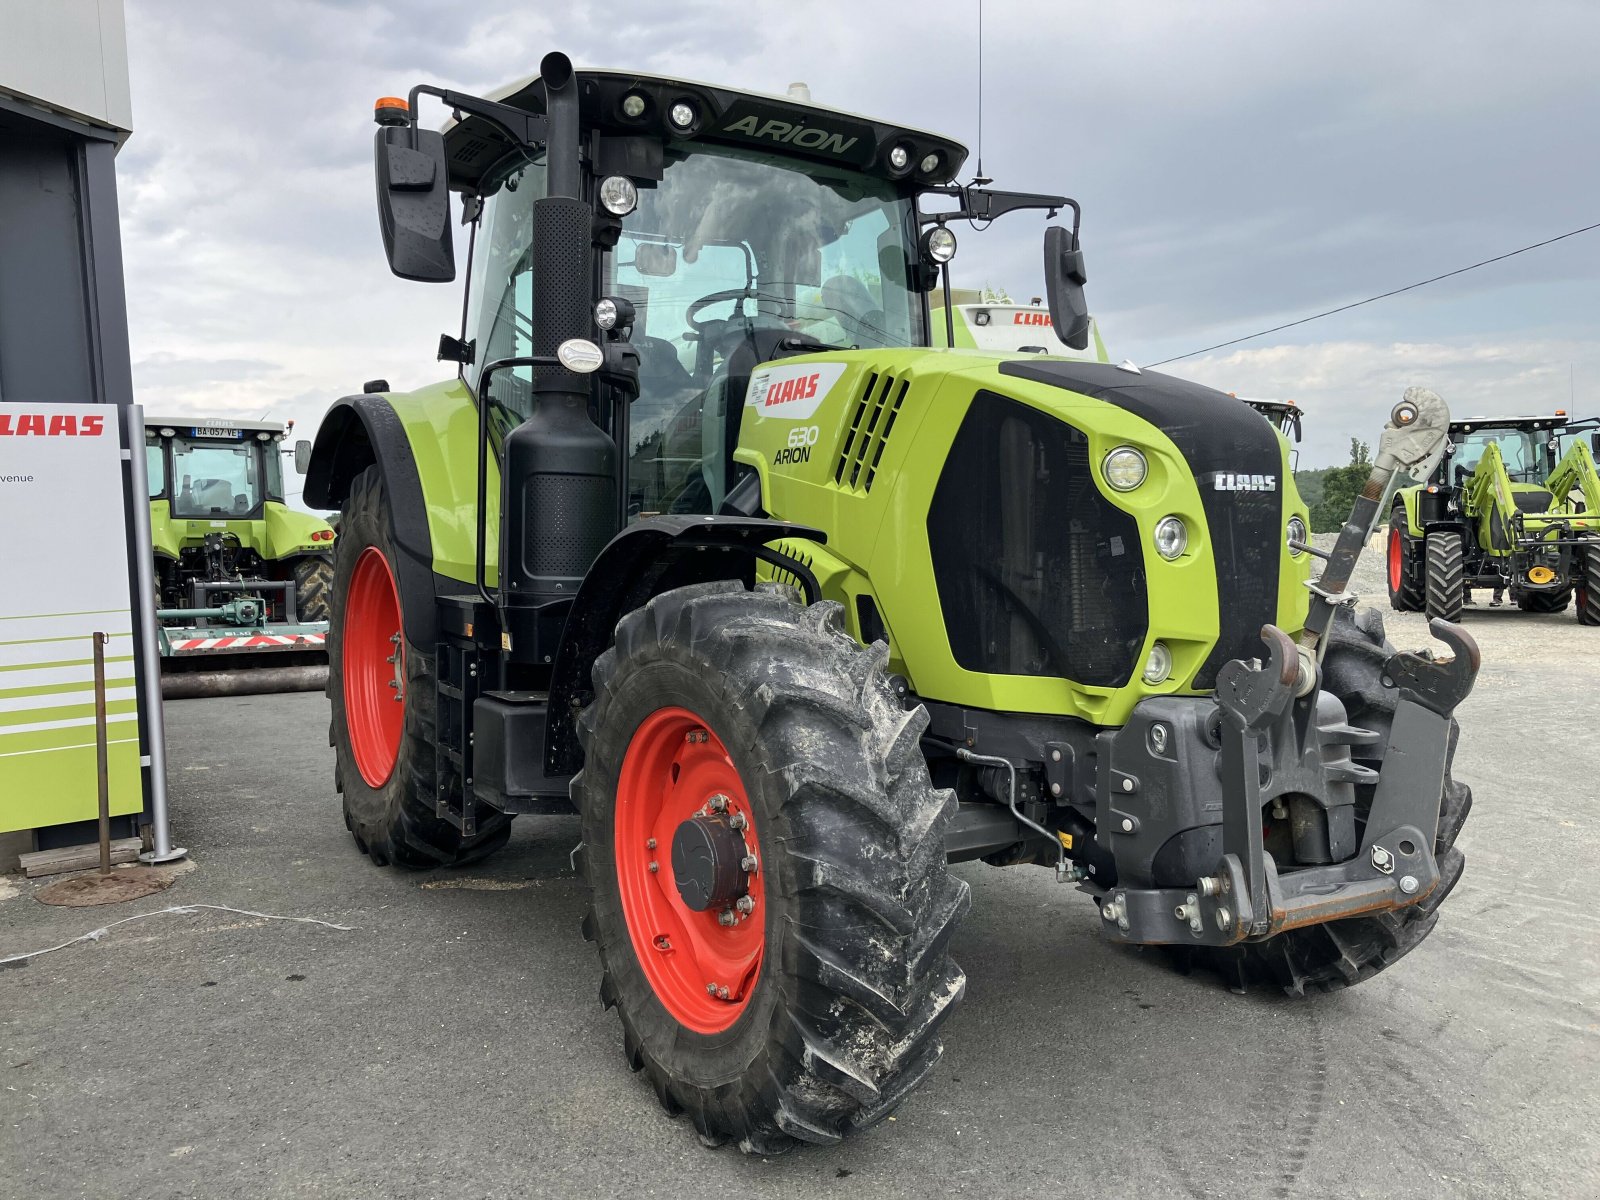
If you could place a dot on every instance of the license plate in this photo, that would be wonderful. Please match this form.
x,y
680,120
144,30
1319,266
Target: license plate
x,y
217,431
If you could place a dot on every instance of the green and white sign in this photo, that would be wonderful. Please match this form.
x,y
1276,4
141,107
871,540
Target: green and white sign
x,y
63,538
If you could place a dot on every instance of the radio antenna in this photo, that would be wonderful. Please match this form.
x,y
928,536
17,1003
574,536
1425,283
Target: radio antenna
x,y
980,179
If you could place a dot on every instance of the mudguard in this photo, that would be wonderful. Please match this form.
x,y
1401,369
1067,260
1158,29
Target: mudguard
x,y
646,558
359,432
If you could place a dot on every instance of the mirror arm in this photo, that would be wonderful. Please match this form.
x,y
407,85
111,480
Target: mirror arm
x,y
523,128
979,204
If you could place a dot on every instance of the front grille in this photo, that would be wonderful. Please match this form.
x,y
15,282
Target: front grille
x,y
870,426
1037,572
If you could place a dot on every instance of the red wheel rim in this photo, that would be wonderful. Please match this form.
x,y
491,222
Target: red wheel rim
x,y
702,971
374,668
1396,559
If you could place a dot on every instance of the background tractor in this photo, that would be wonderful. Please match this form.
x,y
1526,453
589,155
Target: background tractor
x,y
1501,511
244,581
709,541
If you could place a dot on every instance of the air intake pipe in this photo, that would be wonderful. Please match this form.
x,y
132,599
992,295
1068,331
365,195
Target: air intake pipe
x,y
559,480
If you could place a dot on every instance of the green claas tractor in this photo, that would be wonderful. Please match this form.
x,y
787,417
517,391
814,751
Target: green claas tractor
x,y
706,541
1501,511
244,581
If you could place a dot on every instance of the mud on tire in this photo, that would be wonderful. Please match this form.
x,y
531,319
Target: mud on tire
x,y
394,822
1343,953
313,587
842,1019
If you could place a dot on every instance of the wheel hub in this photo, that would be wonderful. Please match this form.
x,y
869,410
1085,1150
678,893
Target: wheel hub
x,y
707,857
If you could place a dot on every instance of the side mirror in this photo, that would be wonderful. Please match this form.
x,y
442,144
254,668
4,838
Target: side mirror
x,y
302,456
1063,280
414,203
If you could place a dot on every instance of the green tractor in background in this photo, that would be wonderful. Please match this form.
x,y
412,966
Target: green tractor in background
x,y
243,581
1501,511
708,540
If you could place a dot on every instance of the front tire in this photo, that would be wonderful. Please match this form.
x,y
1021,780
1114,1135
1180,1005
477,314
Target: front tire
x,y
1545,602
1446,578
1589,589
811,1011
313,586
381,689
1340,954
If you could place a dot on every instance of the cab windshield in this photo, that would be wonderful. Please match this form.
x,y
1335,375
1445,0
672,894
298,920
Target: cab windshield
x,y
731,246
1522,449
214,479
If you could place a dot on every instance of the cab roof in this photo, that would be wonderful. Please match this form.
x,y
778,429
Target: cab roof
x,y
1468,424
187,425
725,116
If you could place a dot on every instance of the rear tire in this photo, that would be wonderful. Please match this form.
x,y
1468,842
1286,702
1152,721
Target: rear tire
x,y
389,800
1340,954
1589,590
1446,580
833,1018
313,585
1405,592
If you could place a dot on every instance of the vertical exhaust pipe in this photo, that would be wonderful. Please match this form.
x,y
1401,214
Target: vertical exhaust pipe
x,y
559,482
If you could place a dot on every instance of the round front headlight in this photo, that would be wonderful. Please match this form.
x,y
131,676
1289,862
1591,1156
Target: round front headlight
x,y
1172,537
930,164
899,158
619,195
681,114
1297,533
1159,665
939,244
633,105
580,355
1124,468
605,313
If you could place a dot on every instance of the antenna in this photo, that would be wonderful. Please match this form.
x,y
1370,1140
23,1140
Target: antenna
x,y
980,179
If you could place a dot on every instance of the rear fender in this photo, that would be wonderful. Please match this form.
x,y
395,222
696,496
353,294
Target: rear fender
x,y
363,431
647,558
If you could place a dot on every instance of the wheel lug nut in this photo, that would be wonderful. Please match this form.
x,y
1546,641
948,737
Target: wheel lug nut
x,y
748,864
650,845
722,993
745,904
718,803
726,917
654,867
738,821
711,989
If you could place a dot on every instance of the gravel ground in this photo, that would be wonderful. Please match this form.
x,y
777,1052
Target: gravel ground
x,y
450,1043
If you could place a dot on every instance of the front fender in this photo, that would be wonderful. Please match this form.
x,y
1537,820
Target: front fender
x,y
1406,498
648,557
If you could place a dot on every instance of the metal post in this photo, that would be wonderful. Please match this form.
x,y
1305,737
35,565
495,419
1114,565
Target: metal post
x,y
102,771
146,637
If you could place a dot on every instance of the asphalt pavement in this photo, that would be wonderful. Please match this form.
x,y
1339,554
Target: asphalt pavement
x,y
450,1042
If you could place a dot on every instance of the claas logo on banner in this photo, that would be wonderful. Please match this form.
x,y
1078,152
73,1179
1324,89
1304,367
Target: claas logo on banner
x,y
50,425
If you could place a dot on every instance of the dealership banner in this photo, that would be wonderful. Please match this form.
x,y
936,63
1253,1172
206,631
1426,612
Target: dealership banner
x,y
64,546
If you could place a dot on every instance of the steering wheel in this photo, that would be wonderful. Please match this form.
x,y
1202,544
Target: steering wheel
x,y
722,297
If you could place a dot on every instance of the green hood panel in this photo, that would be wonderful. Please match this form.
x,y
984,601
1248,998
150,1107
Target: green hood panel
x,y
278,533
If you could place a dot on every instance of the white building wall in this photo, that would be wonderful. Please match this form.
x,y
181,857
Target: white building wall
x,y
70,56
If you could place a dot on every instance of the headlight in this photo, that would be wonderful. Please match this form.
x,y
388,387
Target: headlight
x,y
1297,533
1172,537
681,114
618,194
899,157
580,355
1124,468
939,244
633,105
930,164
1159,665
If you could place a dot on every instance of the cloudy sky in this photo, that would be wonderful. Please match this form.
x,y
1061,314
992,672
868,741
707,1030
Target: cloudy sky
x,y
1240,164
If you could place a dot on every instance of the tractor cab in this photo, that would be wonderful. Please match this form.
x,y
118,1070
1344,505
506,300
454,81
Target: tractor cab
x,y
214,471
729,229
1529,447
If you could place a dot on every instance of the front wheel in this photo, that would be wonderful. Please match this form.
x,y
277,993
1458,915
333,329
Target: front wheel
x,y
766,858
313,587
1589,586
1447,575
